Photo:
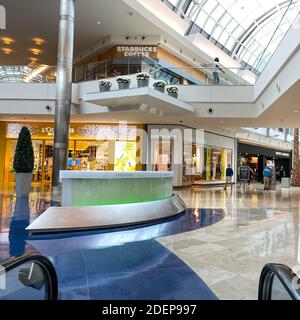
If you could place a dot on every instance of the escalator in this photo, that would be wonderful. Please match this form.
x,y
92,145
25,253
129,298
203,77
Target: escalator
x,y
278,282
28,277
33,277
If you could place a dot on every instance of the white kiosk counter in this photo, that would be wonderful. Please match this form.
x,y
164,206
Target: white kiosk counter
x,y
91,188
102,200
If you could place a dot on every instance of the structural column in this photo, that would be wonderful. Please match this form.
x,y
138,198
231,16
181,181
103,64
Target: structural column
x,y
296,163
63,89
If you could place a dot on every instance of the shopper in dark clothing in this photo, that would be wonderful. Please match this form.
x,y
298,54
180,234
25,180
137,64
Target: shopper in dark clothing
x,y
229,175
281,173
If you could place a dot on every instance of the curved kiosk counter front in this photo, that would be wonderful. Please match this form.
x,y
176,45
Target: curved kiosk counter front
x,y
105,199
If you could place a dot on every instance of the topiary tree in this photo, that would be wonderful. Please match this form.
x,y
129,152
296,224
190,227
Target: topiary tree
x,y
24,157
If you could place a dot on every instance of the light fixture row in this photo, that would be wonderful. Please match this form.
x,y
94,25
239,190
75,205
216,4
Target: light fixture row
x,y
8,41
9,51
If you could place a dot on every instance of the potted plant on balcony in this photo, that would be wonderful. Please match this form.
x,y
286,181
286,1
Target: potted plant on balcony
x,y
105,85
123,82
143,79
23,163
173,91
160,85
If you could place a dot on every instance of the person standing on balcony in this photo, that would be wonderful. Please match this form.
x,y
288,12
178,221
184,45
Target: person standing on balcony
x,y
216,71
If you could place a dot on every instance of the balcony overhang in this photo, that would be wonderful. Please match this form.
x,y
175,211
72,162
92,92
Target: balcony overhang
x,y
143,99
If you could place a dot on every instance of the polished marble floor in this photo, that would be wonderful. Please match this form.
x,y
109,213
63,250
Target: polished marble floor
x,y
202,255
120,263
259,227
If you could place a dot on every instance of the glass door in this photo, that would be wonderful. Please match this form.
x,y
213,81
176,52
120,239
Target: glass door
x,y
48,162
38,161
163,150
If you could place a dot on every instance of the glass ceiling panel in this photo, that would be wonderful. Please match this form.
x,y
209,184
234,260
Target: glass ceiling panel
x,y
244,25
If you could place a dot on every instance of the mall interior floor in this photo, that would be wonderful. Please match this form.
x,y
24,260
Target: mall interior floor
x,y
220,246
259,227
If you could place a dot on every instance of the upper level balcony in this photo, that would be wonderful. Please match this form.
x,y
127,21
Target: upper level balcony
x,y
202,75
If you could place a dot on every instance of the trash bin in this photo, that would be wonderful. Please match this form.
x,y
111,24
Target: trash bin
x,y
285,183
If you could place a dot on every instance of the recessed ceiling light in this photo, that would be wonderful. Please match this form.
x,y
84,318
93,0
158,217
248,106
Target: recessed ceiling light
x,y
35,51
99,22
7,51
38,41
34,60
7,41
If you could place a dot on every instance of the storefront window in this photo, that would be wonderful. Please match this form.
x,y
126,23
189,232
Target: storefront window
x,y
125,156
210,163
91,147
90,155
43,160
162,155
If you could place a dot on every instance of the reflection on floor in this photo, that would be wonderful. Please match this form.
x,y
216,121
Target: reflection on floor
x,y
259,227
125,263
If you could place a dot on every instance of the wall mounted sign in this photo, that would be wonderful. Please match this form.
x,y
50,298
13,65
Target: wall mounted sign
x,y
282,154
136,51
244,173
44,130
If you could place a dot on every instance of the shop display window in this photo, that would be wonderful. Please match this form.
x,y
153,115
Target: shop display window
x,y
91,147
210,163
162,155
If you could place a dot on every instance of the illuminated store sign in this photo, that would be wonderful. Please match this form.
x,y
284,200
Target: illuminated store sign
x,y
77,131
135,51
50,131
283,154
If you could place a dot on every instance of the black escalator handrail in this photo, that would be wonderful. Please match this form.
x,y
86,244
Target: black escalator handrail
x,y
284,274
44,263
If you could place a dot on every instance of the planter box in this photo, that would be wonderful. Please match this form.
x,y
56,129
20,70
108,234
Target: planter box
x,y
142,83
173,94
104,88
160,89
123,86
23,184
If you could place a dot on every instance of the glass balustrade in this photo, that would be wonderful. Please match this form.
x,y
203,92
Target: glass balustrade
x,y
203,75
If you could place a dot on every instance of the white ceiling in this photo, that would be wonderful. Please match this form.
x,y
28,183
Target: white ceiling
x,y
27,19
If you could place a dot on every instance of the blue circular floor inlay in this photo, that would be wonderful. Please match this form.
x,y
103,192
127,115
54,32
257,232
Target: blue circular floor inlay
x,y
120,263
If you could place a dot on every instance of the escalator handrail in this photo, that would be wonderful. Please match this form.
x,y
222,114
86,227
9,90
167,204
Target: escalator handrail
x,y
43,262
285,275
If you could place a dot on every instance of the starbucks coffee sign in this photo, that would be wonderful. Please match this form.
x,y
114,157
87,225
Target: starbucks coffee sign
x,y
136,51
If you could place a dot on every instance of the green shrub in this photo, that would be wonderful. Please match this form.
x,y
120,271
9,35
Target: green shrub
x,y
24,157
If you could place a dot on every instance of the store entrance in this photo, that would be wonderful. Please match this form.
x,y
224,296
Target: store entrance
x,y
43,161
163,154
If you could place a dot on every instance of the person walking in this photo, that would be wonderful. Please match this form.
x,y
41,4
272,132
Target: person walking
x,y
281,173
267,175
216,71
229,175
